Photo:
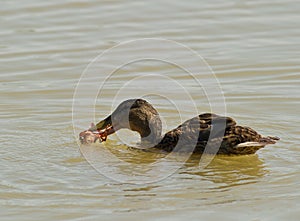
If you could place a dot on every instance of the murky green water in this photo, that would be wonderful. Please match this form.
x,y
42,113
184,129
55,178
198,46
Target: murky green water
x,y
253,48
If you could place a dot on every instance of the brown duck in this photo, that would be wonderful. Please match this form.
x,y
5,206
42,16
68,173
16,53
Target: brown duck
x,y
208,132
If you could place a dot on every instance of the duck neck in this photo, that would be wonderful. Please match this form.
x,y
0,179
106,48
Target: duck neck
x,y
153,134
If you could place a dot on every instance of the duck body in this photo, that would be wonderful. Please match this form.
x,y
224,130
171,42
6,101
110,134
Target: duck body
x,y
206,133
228,138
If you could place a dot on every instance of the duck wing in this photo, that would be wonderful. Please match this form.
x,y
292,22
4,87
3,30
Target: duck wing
x,y
215,134
195,132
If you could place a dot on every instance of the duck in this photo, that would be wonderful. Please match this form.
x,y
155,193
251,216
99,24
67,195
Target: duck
x,y
206,133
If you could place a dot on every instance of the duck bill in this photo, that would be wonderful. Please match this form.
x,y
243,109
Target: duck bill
x,y
102,125
106,126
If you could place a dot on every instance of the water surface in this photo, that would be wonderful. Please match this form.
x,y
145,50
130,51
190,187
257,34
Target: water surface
x,y
253,48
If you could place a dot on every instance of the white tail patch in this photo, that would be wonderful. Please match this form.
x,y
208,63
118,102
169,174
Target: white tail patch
x,y
250,144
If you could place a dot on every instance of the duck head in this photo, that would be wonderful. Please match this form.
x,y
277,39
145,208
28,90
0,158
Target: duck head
x,y
134,114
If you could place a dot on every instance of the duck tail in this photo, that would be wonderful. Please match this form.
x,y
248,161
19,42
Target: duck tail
x,y
252,147
268,140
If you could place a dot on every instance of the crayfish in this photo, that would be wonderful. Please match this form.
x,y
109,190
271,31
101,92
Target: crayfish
x,y
92,135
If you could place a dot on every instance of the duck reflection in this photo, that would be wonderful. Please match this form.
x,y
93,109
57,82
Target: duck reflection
x,y
223,171
227,171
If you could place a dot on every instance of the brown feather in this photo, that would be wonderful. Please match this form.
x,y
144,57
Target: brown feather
x,y
224,141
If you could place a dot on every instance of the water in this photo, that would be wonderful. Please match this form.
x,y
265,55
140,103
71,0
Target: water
x,y
253,48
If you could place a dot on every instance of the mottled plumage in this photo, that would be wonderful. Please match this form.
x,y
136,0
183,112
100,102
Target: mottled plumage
x,y
207,132
227,137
